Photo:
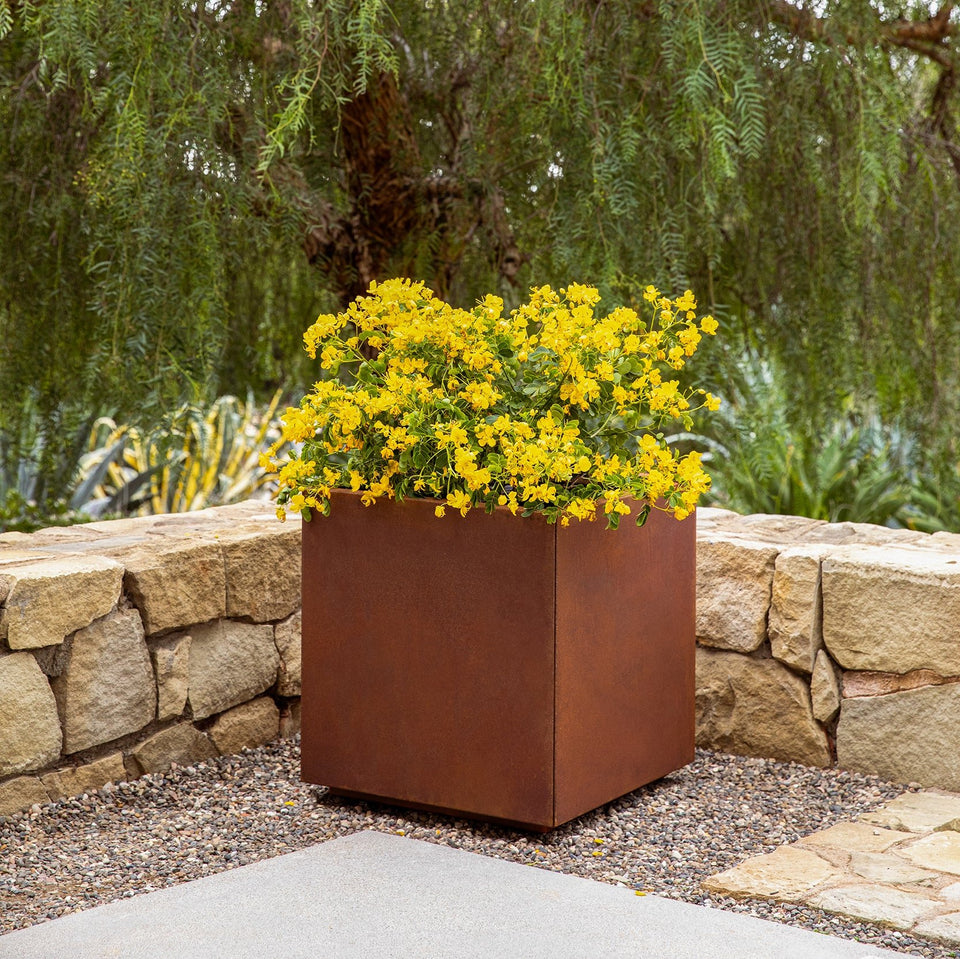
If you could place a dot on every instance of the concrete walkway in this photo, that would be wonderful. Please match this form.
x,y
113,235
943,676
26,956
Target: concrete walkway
x,y
898,865
375,895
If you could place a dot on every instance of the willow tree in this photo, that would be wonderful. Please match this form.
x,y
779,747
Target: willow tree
x,y
183,184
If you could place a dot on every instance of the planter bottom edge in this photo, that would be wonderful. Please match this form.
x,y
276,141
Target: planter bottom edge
x,y
536,827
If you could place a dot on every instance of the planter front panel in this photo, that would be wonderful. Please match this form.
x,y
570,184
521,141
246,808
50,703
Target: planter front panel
x,y
626,626
416,688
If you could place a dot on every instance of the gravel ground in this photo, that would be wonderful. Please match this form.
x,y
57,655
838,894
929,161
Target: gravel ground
x,y
664,839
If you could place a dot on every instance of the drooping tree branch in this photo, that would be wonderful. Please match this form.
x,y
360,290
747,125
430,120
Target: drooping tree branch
x,y
924,36
930,38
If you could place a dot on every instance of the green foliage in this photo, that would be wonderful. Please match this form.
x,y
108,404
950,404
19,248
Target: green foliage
x,y
935,502
184,186
37,472
761,461
130,233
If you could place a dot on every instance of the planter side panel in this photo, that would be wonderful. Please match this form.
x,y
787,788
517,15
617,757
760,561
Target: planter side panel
x,y
413,689
626,652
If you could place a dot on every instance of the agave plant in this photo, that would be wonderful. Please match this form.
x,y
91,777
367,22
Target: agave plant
x,y
38,466
197,458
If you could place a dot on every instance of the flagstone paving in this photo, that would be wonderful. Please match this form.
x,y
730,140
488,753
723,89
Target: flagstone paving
x,y
897,866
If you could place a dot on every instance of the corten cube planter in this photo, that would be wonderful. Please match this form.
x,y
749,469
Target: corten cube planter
x,y
493,666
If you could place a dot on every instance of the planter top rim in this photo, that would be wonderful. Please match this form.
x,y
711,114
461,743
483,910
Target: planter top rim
x,y
432,502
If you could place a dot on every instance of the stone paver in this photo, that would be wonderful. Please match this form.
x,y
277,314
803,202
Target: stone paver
x,y
896,866
941,851
891,869
917,812
787,873
945,927
855,837
876,903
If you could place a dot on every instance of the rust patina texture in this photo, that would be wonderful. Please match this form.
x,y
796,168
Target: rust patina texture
x,y
492,666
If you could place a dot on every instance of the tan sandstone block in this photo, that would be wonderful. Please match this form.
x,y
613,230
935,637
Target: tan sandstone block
x,y
880,904
77,780
230,663
182,744
712,518
262,563
171,666
892,609
945,927
909,736
879,684
824,688
939,851
21,793
856,837
734,585
246,726
786,874
756,707
107,689
176,583
29,726
916,812
48,600
287,635
795,614
864,534
887,868
773,527
17,557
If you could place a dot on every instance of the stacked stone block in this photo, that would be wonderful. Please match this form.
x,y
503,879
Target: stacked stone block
x,y
830,643
126,646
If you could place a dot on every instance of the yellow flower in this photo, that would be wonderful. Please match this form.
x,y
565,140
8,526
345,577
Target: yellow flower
x,y
438,511
685,302
459,500
485,435
517,410
577,293
481,396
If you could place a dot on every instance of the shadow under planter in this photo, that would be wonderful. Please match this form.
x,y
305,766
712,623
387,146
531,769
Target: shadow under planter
x,y
492,666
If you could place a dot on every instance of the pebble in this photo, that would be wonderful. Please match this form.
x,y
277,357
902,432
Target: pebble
x,y
663,839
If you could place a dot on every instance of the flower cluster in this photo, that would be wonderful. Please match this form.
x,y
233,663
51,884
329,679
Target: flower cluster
x,y
550,409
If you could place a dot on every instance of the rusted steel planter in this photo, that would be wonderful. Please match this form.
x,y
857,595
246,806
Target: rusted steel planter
x,y
491,666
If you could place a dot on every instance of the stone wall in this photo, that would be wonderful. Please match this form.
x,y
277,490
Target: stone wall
x,y
830,643
129,645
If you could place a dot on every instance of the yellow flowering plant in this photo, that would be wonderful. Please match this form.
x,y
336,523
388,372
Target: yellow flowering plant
x,y
550,409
